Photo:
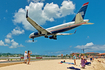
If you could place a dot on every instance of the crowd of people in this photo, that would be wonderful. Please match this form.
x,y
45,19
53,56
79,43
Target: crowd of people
x,y
83,60
82,57
27,56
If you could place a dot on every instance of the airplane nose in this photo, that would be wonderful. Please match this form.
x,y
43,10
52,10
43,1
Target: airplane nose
x,y
31,35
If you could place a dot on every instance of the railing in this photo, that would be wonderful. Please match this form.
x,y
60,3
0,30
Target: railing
x,y
32,58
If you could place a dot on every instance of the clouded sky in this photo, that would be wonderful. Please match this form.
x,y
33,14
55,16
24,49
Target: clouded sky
x,y
15,30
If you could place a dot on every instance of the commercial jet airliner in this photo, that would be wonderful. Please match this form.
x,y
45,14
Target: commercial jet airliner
x,y
52,32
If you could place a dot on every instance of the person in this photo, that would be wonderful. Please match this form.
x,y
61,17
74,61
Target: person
x,y
25,57
29,56
63,61
87,63
79,56
74,57
91,58
83,61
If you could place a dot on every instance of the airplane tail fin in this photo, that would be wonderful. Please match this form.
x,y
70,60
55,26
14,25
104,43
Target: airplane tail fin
x,y
82,11
78,18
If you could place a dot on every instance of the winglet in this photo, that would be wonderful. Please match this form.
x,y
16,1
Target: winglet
x,y
27,14
75,31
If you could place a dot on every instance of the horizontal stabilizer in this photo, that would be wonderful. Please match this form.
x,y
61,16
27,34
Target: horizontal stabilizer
x,y
89,23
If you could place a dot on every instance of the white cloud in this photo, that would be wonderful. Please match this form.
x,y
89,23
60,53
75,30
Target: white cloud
x,y
67,8
91,47
35,1
30,41
40,13
89,44
97,48
87,37
21,45
7,41
17,31
15,44
6,11
9,35
51,11
2,43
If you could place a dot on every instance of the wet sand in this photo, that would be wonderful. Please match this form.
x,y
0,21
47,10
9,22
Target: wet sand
x,y
52,65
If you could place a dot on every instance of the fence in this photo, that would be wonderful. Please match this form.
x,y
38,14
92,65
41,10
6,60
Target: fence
x,y
21,58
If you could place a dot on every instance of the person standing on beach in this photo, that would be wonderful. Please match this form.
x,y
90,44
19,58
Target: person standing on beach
x,y
74,57
25,57
91,58
82,61
29,56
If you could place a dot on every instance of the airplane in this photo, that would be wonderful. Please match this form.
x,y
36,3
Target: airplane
x,y
52,32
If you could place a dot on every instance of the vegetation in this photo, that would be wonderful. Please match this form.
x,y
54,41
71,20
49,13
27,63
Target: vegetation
x,y
22,55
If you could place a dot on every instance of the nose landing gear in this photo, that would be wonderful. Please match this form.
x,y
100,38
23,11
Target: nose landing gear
x,y
33,40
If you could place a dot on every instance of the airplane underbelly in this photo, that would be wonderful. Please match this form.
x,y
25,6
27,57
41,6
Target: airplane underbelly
x,y
63,29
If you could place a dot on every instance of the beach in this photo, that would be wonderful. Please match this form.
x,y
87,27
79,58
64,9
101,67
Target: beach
x,y
97,64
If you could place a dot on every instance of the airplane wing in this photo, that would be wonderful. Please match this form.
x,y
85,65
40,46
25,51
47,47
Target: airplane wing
x,y
36,26
64,33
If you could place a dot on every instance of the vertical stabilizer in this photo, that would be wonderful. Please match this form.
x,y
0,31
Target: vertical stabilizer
x,y
82,11
78,18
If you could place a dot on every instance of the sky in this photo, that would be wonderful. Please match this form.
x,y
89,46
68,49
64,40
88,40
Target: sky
x,y
15,29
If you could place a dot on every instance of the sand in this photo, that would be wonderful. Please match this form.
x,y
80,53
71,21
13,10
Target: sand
x,y
2,60
52,65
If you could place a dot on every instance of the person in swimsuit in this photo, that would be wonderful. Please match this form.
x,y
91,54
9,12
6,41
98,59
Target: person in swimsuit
x,y
74,57
29,56
83,61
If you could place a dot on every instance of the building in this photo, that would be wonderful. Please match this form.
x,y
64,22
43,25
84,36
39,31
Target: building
x,y
101,54
92,53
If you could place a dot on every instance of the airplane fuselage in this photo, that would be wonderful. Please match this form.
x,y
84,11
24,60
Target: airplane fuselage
x,y
59,28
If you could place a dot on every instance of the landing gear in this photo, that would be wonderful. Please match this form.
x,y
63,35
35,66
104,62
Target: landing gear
x,y
53,37
32,40
46,36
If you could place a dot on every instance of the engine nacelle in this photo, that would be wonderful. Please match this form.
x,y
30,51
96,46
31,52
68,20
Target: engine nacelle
x,y
39,33
53,37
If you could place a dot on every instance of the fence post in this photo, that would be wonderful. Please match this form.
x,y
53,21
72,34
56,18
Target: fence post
x,y
20,58
8,59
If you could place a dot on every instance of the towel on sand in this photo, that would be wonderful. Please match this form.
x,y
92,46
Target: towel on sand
x,y
73,68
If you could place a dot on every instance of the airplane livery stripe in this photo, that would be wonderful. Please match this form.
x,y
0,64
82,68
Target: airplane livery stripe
x,y
86,4
66,28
